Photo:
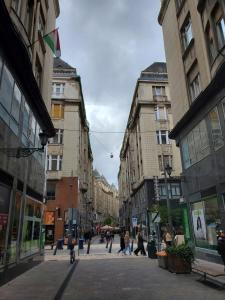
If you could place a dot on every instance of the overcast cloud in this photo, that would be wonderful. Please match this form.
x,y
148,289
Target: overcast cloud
x,y
109,42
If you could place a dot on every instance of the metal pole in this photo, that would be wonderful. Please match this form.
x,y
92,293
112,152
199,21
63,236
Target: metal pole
x,y
168,201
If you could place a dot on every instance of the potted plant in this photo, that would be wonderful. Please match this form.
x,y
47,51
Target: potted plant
x,y
162,259
180,258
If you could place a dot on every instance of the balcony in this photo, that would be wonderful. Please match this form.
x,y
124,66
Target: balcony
x,y
160,98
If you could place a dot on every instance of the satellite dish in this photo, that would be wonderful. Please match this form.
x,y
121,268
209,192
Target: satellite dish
x,y
111,155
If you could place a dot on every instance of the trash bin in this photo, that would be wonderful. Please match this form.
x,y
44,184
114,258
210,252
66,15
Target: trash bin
x,y
151,248
81,244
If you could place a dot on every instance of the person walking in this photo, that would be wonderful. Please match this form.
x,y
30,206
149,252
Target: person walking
x,y
140,245
221,246
167,237
127,243
122,243
71,244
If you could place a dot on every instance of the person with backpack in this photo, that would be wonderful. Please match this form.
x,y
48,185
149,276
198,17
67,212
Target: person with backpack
x,y
71,244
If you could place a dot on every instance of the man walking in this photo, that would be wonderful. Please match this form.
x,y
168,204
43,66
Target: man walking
x,y
140,245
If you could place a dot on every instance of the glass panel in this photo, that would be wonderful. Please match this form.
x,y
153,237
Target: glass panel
x,y
15,112
13,235
4,211
33,129
29,208
26,116
216,129
6,89
221,32
54,163
185,154
164,137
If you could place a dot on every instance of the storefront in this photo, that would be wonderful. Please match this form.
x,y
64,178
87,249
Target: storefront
x,y
206,222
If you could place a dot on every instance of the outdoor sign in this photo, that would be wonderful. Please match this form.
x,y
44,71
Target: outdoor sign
x,y
134,222
199,224
186,224
156,188
49,218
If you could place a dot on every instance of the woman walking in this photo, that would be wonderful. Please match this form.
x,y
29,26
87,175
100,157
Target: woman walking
x,y
122,243
127,243
140,245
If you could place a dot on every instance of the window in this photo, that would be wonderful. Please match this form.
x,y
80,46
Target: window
x,y
58,88
17,96
179,4
57,111
217,136
162,190
185,154
54,162
220,27
195,87
51,188
16,5
162,137
41,24
26,119
175,189
58,138
38,73
6,89
160,113
29,16
165,160
186,33
159,90
210,43
33,129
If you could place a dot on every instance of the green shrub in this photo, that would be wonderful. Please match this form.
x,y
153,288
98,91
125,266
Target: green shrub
x,y
182,251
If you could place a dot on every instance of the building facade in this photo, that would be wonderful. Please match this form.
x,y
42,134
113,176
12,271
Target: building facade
x,y
147,149
194,37
106,202
69,158
25,85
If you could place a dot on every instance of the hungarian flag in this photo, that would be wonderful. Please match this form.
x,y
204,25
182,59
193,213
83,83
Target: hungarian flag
x,y
52,39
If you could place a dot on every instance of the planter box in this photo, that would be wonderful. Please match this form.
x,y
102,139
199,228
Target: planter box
x,y
163,262
178,265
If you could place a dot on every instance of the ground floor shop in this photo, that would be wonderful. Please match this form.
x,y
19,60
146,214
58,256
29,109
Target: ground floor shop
x,y
20,226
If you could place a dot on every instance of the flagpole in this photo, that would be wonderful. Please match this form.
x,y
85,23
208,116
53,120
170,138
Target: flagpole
x,y
42,37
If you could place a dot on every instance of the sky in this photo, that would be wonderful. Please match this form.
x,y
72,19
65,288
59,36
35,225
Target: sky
x,y
109,42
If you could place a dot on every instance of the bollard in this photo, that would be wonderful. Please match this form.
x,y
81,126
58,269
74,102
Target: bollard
x,y
110,247
132,246
107,243
88,247
56,246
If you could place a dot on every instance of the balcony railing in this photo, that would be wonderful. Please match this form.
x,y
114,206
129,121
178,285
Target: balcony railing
x,y
160,98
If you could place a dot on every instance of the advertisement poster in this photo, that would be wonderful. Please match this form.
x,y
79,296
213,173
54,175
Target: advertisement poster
x,y
49,218
199,224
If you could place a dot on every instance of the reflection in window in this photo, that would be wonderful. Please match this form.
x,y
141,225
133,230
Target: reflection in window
x,y
186,34
195,87
6,89
220,26
217,136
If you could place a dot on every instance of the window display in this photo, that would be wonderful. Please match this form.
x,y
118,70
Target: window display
x,y
206,221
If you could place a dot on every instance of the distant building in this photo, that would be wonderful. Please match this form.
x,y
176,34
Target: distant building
x,y
194,37
147,149
106,203
69,159
25,95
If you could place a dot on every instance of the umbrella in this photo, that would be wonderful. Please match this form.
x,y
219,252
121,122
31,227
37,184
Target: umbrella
x,y
106,227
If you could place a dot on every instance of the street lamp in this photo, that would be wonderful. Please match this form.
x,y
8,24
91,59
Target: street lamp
x,y
24,152
168,171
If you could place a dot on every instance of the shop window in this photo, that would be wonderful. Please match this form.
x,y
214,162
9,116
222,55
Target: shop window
x,y
13,234
57,111
206,221
216,131
4,213
186,33
31,228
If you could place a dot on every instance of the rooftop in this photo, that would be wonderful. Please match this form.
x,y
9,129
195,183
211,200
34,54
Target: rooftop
x,y
155,72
